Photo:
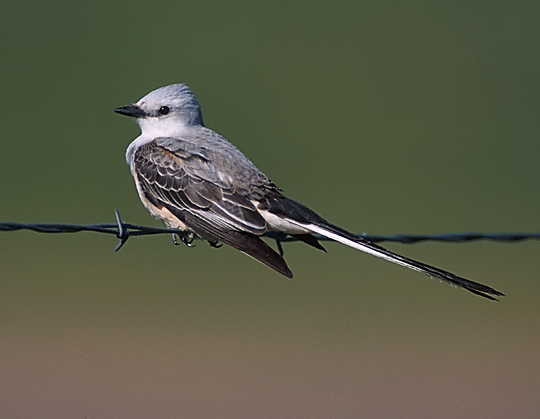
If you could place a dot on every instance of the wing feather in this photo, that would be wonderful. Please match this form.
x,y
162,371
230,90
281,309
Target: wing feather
x,y
172,174
169,178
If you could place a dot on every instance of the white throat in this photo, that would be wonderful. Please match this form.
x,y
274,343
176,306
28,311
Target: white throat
x,y
152,128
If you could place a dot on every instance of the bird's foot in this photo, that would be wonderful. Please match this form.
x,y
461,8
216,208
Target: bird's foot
x,y
187,238
215,244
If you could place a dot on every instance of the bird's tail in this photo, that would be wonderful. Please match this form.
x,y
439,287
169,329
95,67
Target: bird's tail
x,y
343,236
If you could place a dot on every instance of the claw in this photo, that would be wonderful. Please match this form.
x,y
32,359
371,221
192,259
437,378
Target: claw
x,y
187,238
215,244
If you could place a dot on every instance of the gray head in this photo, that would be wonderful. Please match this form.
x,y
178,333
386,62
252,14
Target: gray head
x,y
165,110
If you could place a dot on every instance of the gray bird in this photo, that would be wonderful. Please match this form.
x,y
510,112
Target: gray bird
x,y
194,180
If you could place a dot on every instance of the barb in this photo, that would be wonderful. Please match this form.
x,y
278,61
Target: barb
x,y
123,231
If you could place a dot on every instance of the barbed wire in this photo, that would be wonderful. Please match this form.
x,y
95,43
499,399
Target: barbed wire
x,y
123,231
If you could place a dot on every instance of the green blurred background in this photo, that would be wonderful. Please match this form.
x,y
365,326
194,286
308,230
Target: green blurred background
x,y
385,117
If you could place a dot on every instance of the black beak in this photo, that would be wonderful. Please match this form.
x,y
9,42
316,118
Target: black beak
x,y
132,110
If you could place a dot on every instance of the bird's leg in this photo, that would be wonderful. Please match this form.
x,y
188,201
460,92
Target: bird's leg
x,y
278,237
280,248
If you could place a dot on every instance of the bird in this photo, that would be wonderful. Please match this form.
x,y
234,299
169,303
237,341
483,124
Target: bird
x,y
196,181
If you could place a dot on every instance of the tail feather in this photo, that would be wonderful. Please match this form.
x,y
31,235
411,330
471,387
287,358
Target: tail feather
x,y
340,235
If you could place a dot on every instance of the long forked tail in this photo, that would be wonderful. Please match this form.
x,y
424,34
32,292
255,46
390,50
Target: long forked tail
x,y
343,236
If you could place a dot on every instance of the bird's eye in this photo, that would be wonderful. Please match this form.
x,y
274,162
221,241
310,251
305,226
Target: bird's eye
x,y
164,110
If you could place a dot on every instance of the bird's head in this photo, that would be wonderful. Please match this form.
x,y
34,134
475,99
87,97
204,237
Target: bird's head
x,y
165,111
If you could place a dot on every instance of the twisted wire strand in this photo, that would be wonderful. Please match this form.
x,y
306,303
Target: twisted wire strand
x,y
124,230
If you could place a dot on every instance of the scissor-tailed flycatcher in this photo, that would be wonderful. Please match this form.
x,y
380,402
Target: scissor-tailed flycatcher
x,y
193,179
